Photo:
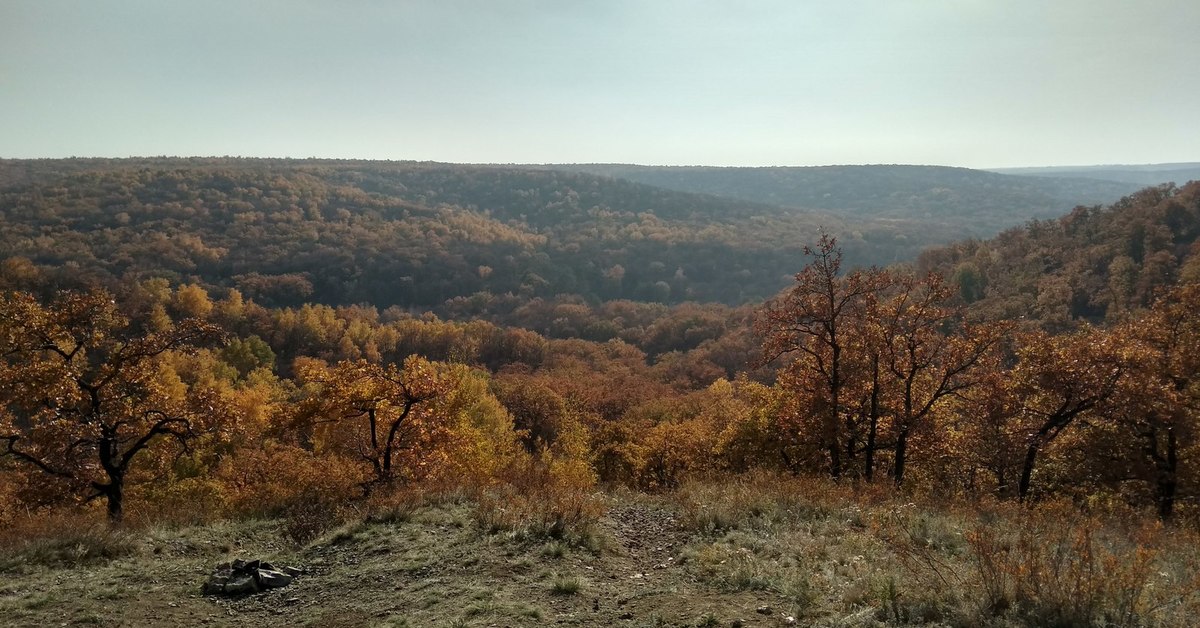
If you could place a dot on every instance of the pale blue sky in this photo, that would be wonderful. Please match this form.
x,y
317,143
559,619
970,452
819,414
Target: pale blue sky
x,y
800,82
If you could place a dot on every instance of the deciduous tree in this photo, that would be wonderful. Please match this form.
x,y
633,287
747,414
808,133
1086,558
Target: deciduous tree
x,y
811,321
376,411
82,394
1061,378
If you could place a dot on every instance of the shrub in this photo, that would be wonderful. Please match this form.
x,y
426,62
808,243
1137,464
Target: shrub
x,y
542,498
1061,567
61,539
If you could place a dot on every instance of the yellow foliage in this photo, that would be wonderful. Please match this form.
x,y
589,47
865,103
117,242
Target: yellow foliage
x,y
192,301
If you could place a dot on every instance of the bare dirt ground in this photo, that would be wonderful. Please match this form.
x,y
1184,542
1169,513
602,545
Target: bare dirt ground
x,y
433,568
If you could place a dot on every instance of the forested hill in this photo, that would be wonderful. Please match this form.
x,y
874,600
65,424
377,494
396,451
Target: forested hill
x,y
408,234
1148,174
978,202
1091,264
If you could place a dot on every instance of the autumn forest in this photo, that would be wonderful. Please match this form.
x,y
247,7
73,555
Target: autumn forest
x,y
190,341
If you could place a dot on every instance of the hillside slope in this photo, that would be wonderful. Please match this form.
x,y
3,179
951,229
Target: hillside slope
x,y
978,202
736,554
1148,174
411,234
1092,264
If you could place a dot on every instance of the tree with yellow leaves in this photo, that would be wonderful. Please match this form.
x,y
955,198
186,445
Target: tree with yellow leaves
x,y
377,412
83,392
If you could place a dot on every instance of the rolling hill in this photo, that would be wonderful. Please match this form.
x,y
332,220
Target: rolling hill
x,y
413,234
976,202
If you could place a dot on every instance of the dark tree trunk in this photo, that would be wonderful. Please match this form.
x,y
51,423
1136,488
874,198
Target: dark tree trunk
x,y
901,455
835,389
873,422
114,490
792,467
1166,498
901,447
115,495
835,460
1056,423
1001,482
1027,469
1166,465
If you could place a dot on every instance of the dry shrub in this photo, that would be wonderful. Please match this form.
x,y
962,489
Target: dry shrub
x,y
1059,566
760,499
61,538
397,503
541,498
925,549
187,501
1052,564
10,505
311,493
673,451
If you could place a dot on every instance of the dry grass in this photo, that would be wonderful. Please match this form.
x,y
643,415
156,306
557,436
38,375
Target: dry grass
x,y
62,539
825,553
759,500
539,504
1059,566
1051,565
837,551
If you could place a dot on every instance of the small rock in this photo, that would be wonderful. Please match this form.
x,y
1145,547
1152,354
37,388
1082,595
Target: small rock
x,y
789,620
240,585
241,577
215,585
271,579
763,610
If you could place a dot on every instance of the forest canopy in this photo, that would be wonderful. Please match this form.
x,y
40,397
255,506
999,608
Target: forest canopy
x,y
415,235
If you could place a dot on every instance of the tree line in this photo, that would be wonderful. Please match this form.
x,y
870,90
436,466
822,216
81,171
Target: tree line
x,y
873,374
972,372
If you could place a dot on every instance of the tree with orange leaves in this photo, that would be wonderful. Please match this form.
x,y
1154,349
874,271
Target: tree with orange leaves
x,y
1158,401
376,412
930,354
83,392
812,322
1062,379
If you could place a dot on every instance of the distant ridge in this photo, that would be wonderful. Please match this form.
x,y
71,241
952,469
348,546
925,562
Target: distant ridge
x,y
977,201
1141,174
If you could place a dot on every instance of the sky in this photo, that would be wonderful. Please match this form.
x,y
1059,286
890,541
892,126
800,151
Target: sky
x,y
975,83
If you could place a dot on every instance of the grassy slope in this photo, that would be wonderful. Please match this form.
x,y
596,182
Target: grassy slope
x,y
711,555
434,569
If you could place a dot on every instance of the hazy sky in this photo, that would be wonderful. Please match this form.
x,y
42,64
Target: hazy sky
x,y
795,82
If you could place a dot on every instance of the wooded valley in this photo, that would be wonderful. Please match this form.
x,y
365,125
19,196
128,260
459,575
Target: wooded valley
x,y
187,341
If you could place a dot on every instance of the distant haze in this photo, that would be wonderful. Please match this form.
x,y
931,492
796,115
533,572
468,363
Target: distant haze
x,y
957,82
